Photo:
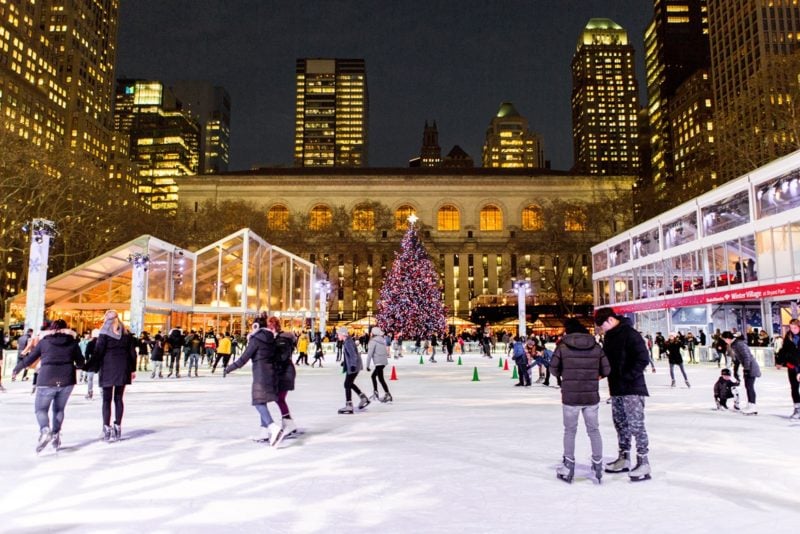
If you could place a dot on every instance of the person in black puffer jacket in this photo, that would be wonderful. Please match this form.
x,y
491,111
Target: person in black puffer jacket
x,y
581,363
60,355
115,353
789,356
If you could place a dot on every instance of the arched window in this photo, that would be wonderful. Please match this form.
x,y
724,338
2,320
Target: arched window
x,y
574,220
448,219
363,218
278,218
491,218
321,218
401,216
532,218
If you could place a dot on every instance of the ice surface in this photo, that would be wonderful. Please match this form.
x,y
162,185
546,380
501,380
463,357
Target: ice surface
x,y
449,455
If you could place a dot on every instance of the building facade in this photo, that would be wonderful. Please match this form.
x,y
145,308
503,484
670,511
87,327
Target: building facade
x,y
509,142
483,228
605,101
332,113
210,105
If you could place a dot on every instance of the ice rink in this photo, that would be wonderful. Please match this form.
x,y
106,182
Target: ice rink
x,y
449,455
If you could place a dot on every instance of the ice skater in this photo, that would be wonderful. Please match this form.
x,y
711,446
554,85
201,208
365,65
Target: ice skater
x,y
116,358
675,358
520,356
724,389
352,365
789,356
223,352
378,354
157,356
741,354
319,353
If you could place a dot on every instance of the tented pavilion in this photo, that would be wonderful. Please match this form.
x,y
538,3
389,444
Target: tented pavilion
x,y
219,286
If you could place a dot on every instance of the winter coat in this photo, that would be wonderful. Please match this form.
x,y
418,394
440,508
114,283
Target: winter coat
x,y
377,351
60,355
302,344
175,338
116,359
628,357
580,362
722,388
157,352
741,353
286,373
352,359
674,352
260,349
224,345
789,354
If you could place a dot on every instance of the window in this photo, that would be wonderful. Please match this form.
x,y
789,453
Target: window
x,y
532,218
278,218
574,220
491,219
363,218
401,216
321,218
448,219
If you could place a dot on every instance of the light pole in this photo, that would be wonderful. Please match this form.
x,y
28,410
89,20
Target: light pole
x,y
522,287
41,232
323,288
139,261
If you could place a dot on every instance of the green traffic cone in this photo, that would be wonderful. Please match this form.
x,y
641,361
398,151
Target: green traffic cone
x,y
421,361
475,375
459,361
500,363
515,376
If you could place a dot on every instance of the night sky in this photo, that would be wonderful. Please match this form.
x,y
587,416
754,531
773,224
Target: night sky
x,y
452,61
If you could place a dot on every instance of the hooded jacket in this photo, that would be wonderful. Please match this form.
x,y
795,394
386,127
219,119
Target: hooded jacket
x,y
628,356
580,362
741,353
60,355
116,359
260,349
377,351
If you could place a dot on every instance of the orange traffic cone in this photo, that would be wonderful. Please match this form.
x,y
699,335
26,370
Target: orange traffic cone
x,y
505,367
394,373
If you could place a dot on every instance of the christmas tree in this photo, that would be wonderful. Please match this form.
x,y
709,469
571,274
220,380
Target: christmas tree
x,y
411,302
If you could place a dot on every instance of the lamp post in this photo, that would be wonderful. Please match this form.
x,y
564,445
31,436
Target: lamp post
x,y
41,232
323,288
521,287
139,261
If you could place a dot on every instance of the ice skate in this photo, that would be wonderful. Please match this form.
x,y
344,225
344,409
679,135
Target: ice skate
x,y
796,413
374,396
672,385
364,402
387,398
621,464
152,375
106,433
597,468
566,471
750,409
641,471
116,432
89,396
57,440
289,428
276,434
44,438
688,385
262,436
348,408
2,388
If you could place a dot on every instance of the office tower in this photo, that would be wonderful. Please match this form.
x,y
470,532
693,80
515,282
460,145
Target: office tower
x,y
164,139
331,119
754,65
509,143
676,46
431,152
605,100
211,107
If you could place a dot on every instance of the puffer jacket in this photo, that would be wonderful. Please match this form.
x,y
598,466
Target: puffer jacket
x,y
789,355
352,359
116,359
60,355
580,362
377,351
260,349
286,373
741,353
628,356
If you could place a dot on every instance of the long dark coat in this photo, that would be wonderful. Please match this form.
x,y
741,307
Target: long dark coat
x,y
117,359
629,357
260,349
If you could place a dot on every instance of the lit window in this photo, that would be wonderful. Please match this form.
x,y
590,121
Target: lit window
x,y
401,216
278,218
532,218
574,220
448,219
491,218
363,218
321,218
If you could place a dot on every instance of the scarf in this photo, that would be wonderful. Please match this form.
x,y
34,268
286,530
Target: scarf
x,y
108,329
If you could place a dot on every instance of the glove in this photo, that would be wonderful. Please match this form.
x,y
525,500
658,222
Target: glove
x,y
352,368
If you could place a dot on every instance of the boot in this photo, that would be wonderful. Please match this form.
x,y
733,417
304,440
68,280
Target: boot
x,y
56,440
289,427
796,414
750,409
348,408
106,433
89,396
374,396
387,397
364,402
597,468
152,375
672,385
44,438
116,432
276,434
688,385
621,464
566,471
641,471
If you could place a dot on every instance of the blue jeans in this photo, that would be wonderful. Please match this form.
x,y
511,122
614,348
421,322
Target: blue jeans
x,y
266,418
57,396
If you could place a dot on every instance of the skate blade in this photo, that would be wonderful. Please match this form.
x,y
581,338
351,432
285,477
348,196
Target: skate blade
x,y
640,479
623,470
564,478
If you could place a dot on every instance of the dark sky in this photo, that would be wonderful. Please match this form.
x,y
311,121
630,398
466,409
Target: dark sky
x,y
452,61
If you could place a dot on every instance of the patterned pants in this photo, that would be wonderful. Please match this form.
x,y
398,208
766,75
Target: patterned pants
x,y
628,414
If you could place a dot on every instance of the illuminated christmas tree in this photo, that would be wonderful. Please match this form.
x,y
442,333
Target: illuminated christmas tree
x,y
411,302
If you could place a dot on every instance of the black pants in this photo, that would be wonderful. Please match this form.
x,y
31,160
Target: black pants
x,y
377,374
302,357
225,359
749,386
175,361
793,385
522,371
350,386
115,392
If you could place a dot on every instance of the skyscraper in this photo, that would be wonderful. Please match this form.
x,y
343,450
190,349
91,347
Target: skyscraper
x,y
605,100
332,112
754,65
676,46
509,143
211,107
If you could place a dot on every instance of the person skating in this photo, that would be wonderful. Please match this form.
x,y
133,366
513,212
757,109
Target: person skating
x,y
319,353
60,356
22,345
175,340
352,365
115,355
378,355
285,375
581,363
90,368
789,356
302,349
675,359
260,351
724,389
741,354
627,355
157,356
223,352
520,356
433,344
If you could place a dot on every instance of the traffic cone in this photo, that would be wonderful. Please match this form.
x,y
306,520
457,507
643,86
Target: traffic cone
x,y
394,373
421,360
500,362
505,366
459,361
515,376
475,375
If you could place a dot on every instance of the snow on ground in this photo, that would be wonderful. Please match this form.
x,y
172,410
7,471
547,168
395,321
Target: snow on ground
x,y
450,455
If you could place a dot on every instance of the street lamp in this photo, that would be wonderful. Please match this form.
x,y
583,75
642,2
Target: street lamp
x,y
323,289
521,287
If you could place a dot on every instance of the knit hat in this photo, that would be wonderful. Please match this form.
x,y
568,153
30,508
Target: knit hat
x,y
725,372
342,331
376,331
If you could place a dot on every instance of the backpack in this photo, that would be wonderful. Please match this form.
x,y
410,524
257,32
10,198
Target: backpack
x,y
284,347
